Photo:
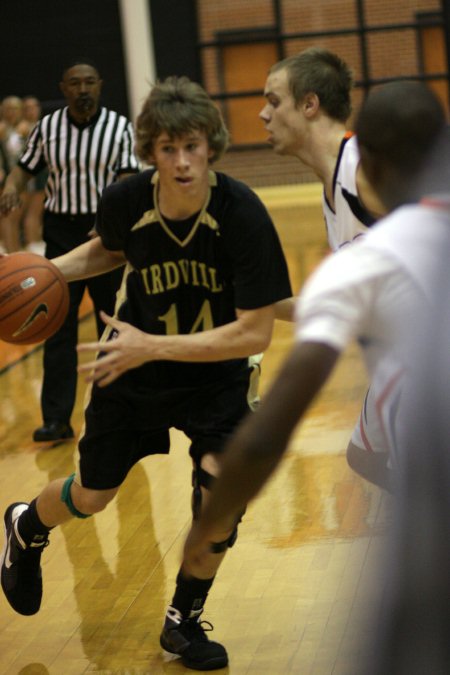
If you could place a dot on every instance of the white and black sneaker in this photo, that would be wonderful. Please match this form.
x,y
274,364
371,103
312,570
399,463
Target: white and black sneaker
x,y
187,638
21,575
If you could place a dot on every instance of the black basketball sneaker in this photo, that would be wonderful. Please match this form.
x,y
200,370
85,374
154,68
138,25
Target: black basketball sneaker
x,y
187,638
21,575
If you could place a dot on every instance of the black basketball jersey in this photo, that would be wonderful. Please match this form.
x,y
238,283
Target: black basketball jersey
x,y
188,276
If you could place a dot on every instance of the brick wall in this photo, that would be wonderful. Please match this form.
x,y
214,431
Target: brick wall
x,y
261,168
391,54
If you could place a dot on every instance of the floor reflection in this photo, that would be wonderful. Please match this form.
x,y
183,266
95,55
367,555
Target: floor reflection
x,y
116,567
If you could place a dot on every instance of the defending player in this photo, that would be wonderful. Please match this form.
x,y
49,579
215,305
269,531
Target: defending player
x,y
197,299
372,290
306,114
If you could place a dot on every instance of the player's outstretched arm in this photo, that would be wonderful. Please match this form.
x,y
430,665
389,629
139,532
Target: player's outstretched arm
x,y
249,334
285,309
88,260
258,445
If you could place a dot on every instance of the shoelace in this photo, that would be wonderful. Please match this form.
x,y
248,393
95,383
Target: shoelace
x,y
198,628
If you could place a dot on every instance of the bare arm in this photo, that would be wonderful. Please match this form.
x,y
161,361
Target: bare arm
x,y
249,334
88,260
257,447
284,309
14,185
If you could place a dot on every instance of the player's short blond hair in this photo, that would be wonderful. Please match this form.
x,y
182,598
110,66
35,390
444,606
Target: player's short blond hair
x,y
319,71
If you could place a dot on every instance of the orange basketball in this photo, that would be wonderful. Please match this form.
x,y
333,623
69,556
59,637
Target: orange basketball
x,y
34,298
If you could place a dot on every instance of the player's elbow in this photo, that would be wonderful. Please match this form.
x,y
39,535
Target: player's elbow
x,y
284,309
259,342
262,335
255,328
253,340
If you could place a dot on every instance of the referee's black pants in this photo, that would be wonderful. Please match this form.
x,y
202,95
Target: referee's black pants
x,y
61,234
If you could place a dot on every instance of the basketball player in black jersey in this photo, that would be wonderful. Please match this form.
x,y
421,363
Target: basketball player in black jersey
x,y
204,267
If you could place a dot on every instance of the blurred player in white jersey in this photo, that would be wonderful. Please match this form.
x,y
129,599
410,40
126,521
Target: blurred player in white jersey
x,y
411,633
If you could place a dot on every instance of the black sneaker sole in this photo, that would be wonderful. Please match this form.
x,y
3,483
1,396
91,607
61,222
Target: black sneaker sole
x,y
49,445
211,664
61,438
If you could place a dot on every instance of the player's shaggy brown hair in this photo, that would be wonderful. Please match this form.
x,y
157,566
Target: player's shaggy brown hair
x,y
178,106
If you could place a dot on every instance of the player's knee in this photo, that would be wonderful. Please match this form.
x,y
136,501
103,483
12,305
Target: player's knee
x,y
202,482
228,540
360,459
211,464
355,456
373,466
94,501
83,502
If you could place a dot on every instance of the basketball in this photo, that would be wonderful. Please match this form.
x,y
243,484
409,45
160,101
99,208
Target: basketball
x,y
34,298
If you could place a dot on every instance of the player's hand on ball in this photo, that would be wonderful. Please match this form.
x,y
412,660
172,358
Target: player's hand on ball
x,y
126,350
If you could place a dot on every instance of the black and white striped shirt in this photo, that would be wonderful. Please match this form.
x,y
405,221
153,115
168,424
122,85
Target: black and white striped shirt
x,y
81,159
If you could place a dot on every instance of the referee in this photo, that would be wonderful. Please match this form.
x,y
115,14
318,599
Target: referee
x,y
84,147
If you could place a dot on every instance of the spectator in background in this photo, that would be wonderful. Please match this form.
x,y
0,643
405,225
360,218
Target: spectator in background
x,y
33,199
4,165
12,139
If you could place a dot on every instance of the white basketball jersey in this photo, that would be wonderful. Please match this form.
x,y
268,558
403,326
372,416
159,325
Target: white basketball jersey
x,y
349,219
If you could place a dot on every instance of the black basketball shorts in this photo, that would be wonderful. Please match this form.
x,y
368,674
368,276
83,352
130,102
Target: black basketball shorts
x,y
123,425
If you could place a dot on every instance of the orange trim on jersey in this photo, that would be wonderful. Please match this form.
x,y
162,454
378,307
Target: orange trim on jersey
x,y
439,202
363,435
380,402
362,430
378,408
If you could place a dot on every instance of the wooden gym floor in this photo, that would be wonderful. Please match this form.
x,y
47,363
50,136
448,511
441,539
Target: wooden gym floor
x,y
297,592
